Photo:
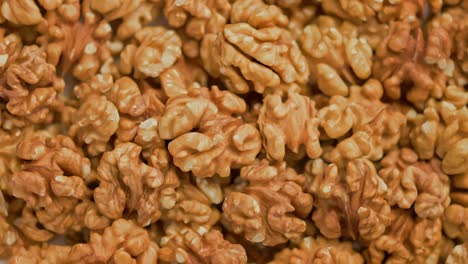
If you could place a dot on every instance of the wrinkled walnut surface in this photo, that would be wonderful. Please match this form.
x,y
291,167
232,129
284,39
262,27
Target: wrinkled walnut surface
x,y
233,131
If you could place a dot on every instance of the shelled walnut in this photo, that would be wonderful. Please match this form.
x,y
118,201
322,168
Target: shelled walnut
x,y
233,131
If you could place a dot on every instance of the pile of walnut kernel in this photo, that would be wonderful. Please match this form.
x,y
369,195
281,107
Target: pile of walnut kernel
x,y
234,131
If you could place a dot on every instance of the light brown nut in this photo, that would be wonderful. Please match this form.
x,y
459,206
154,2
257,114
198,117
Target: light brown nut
x,y
452,21
319,250
216,149
10,238
100,84
9,163
347,205
52,181
29,84
335,53
407,240
139,107
375,126
373,31
132,15
221,141
157,49
51,4
181,244
96,121
411,182
75,46
28,223
254,52
191,207
21,12
458,255
125,182
453,141
126,96
402,57
289,123
182,77
345,113
361,11
357,10
424,132
37,254
442,251
114,9
197,17
455,222
269,209
184,113
123,241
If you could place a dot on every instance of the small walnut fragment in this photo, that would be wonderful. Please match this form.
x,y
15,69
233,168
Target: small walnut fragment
x,y
21,12
336,54
407,240
95,122
319,250
125,182
222,141
190,206
411,182
122,242
361,11
407,57
183,76
375,126
351,202
9,163
43,183
254,51
452,20
155,50
184,245
195,18
76,41
29,84
458,255
290,123
269,209
455,222
10,239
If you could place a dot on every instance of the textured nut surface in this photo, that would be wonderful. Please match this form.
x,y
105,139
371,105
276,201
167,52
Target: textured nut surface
x,y
405,56
319,250
375,125
289,123
182,244
222,141
336,53
29,85
156,50
125,182
349,203
254,48
267,210
233,131
22,12
95,122
52,182
410,181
